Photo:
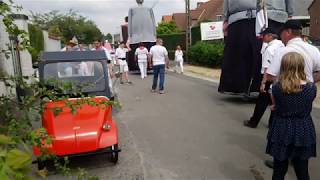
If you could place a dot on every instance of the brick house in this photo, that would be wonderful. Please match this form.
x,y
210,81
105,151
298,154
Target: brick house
x,y
315,19
166,18
211,10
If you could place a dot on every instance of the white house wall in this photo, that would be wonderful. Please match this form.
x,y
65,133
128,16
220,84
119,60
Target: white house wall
x,y
6,64
50,44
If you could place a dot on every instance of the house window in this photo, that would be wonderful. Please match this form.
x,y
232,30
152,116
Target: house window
x,y
219,17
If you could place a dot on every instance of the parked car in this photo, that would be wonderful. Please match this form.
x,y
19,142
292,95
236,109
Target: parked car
x,y
92,129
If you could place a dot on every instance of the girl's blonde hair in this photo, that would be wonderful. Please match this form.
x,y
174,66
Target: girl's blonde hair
x,y
292,72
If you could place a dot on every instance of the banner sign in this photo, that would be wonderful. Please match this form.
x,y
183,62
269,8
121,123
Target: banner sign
x,y
211,31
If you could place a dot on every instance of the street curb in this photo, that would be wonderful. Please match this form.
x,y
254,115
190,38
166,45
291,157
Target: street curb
x,y
194,75
198,76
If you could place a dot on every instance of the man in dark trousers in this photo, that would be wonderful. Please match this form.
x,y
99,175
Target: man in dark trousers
x,y
273,44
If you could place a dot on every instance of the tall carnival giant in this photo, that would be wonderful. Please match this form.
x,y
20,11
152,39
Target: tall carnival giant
x,y
141,28
241,65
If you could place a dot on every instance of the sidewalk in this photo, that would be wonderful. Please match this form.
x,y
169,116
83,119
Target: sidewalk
x,y
205,73
213,75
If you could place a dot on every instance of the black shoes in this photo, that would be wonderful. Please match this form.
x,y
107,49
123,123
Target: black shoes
x,y
248,124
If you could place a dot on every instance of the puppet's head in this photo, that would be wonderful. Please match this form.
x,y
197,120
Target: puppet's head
x,y
140,2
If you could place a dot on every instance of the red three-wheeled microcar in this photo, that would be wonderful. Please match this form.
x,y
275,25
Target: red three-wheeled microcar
x,y
89,130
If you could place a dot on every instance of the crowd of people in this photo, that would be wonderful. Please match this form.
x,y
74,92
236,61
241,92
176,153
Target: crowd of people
x,y
156,59
283,66
280,64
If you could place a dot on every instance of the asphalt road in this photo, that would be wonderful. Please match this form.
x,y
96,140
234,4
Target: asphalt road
x,y
190,133
193,132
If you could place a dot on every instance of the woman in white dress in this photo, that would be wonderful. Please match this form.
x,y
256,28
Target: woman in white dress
x,y
142,54
179,59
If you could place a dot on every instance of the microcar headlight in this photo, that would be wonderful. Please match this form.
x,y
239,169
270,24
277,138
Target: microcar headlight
x,y
106,127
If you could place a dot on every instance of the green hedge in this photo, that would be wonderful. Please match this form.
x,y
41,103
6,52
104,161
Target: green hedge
x,y
171,41
206,53
195,35
36,41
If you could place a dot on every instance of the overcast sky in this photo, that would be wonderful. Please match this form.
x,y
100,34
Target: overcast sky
x,y
107,14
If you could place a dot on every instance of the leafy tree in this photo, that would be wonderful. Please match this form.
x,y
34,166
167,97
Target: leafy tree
x,y
68,25
36,40
54,31
108,37
167,28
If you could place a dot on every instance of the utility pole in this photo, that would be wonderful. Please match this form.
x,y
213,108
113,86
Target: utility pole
x,y
188,27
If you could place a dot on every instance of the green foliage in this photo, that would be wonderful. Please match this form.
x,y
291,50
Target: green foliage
x,y
54,31
14,163
11,28
108,37
68,25
36,41
17,116
206,54
167,28
195,35
171,41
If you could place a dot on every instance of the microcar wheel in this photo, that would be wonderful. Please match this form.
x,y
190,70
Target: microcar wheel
x,y
42,165
115,155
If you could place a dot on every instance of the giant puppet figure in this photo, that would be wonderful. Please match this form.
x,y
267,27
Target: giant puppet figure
x,y
240,69
141,28
242,57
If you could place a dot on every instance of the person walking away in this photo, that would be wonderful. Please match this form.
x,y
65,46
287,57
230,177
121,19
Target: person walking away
x,y
291,36
179,59
142,54
264,99
160,60
292,134
121,52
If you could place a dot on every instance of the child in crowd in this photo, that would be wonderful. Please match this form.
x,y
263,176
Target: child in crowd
x,y
292,134
179,59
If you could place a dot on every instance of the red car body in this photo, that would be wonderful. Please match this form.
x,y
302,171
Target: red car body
x,y
81,132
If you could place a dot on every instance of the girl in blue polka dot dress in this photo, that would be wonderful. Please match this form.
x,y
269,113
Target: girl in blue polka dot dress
x,y
292,134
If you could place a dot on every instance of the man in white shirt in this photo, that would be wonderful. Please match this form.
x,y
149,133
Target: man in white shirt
x,y
142,54
121,52
290,35
98,47
272,45
159,57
